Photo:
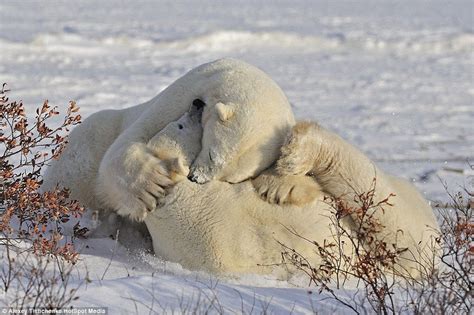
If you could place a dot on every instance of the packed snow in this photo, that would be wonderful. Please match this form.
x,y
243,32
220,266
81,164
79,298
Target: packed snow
x,y
393,77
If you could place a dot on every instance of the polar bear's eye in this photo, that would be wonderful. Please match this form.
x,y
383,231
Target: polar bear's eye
x,y
198,103
180,126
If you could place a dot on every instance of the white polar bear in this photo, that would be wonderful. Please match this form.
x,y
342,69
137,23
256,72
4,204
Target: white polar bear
x,y
228,228
108,165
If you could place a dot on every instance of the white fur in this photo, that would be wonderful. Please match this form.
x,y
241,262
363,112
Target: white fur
x,y
344,172
108,164
222,227
228,228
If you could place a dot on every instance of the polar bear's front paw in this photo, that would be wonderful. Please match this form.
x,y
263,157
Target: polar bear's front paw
x,y
291,190
144,189
132,183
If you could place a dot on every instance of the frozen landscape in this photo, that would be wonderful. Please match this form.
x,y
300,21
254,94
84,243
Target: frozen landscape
x,y
395,78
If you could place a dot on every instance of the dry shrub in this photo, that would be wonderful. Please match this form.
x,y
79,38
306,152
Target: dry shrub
x,y
28,215
31,281
356,251
447,285
444,287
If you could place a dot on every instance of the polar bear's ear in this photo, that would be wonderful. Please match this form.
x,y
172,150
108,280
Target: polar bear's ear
x,y
225,112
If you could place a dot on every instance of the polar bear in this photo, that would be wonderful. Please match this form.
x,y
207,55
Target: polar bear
x,y
108,165
228,228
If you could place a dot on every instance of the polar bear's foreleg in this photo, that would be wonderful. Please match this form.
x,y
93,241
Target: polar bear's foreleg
x,y
340,168
132,177
132,180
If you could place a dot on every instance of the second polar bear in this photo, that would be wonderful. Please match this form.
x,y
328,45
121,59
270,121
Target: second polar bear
x,y
222,227
108,165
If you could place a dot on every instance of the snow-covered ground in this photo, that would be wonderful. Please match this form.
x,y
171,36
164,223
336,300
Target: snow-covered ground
x,y
393,77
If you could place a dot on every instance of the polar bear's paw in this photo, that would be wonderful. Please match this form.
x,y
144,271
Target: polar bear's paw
x,y
287,190
136,188
298,154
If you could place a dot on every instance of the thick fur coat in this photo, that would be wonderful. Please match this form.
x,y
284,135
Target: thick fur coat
x,y
108,164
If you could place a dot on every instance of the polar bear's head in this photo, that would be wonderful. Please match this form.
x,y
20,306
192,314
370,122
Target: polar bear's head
x,y
245,121
179,143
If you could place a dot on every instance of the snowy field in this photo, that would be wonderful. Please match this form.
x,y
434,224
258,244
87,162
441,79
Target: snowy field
x,y
393,77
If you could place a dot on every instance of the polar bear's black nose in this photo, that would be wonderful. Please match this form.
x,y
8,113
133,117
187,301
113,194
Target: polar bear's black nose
x,y
192,178
198,103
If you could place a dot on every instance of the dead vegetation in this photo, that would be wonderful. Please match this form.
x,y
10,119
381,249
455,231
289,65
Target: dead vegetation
x,y
444,285
37,257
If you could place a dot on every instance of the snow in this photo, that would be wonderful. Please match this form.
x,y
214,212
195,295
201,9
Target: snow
x,y
393,77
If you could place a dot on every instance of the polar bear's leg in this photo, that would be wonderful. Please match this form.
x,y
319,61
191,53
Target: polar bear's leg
x,y
107,169
132,180
131,175
338,167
